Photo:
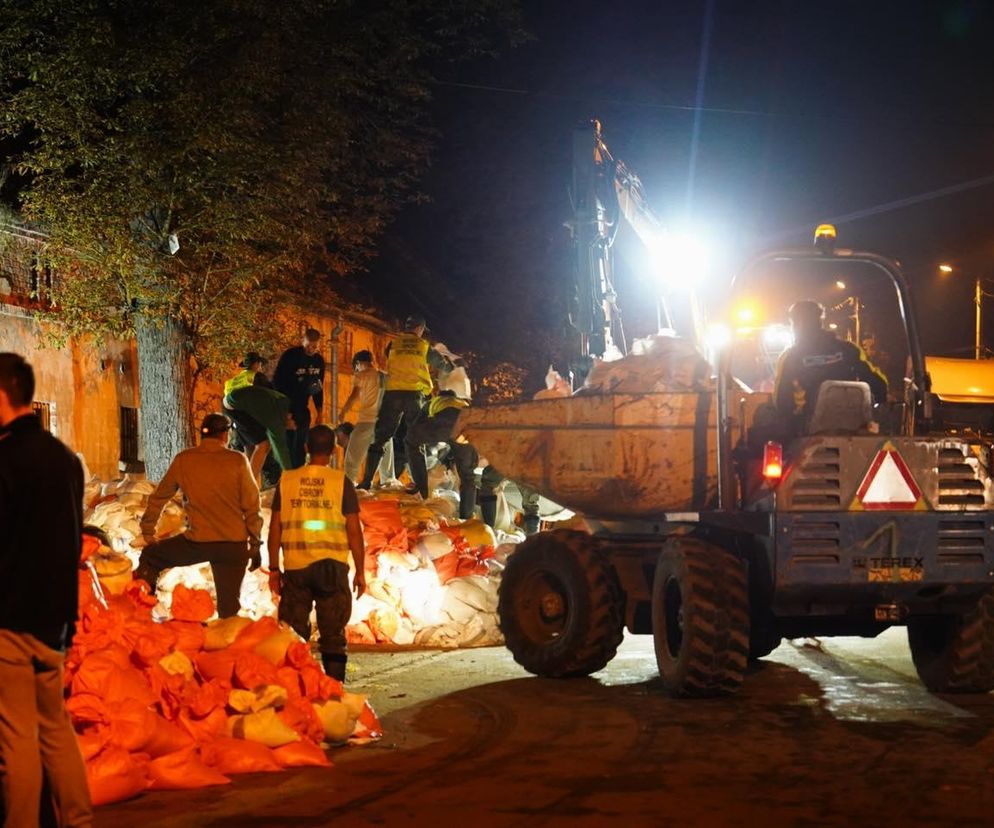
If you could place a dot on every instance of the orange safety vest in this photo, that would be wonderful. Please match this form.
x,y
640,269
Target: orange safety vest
x,y
311,516
407,364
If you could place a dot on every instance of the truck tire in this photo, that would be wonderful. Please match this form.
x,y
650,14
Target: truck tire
x,y
561,606
700,618
955,653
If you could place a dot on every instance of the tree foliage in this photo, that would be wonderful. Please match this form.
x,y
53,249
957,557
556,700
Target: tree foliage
x,y
270,138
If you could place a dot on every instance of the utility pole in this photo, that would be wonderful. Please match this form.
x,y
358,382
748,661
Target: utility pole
x,y
977,299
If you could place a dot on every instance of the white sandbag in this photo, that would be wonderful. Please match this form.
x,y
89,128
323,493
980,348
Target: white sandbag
x,y
476,591
456,610
421,597
433,545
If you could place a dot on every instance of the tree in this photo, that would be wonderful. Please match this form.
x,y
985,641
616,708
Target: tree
x,y
271,140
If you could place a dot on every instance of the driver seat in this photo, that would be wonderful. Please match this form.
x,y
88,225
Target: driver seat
x,y
842,408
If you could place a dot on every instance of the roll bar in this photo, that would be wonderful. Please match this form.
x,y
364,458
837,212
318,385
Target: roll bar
x,y
822,255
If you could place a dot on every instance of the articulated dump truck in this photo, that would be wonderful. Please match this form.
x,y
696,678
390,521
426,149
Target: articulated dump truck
x,y
718,534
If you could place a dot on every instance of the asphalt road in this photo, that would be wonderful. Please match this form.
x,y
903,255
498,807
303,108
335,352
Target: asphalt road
x,y
839,733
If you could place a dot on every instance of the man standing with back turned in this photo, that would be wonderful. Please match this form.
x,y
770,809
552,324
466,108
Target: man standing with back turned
x,y
316,522
41,512
407,384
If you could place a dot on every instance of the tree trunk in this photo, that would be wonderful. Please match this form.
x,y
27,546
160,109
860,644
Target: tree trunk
x,y
166,386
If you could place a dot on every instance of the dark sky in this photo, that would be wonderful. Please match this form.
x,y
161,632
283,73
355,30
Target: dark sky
x,y
811,110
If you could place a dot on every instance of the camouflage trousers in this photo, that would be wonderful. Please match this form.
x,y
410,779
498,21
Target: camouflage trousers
x,y
323,585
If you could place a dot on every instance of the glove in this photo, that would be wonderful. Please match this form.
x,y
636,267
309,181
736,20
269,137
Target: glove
x,y
255,561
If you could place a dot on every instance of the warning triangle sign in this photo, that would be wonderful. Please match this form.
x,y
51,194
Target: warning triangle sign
x,y
888,484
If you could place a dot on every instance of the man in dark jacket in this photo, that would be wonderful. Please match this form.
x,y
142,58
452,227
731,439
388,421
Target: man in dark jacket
x,y
817,356
41,506
299,374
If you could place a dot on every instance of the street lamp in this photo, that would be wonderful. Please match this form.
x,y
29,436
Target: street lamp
x,y
978,295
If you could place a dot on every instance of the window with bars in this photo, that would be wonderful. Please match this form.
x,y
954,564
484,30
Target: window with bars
x,y
130,445
45,411
345,345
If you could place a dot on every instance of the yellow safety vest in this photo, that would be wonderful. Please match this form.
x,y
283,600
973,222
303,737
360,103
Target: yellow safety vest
x,y
311,516
243,379
439,404
407,365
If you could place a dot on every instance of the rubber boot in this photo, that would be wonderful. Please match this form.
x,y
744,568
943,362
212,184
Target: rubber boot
x,y
488,508
532,524
334,665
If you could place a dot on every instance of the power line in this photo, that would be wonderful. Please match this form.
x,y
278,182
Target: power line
x,y
721,110
888,206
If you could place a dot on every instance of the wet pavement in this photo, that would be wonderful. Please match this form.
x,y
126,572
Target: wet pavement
x,y
837,732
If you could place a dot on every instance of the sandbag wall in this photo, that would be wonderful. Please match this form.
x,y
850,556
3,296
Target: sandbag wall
x,y
432,579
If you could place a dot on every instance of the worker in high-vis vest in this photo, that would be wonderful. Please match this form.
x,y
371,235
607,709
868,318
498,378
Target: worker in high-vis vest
x,y
408,382
435,425
315,523
259,413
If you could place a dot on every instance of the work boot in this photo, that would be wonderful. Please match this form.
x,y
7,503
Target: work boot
x,y
488,509
334,665
532,523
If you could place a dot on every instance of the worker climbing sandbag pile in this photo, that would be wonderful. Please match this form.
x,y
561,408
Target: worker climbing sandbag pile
x,y
181,704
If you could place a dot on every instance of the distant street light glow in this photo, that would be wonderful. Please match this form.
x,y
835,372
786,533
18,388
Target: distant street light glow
x,y
840,284
944,268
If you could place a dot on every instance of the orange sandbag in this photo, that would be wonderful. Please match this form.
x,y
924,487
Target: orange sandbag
x,y
153,644
273,648
316,685
189,635
299,714
131,724
298,654
101,675
204,730
86,708
301,755
229,755
93,740
165,738
91,545
253,671
114,774
140,595
255,633
219,664
370,722
207,697
183,770
447,566
191,604
289,679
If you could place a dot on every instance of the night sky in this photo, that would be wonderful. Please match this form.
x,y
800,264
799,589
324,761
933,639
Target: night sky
x,y
810,111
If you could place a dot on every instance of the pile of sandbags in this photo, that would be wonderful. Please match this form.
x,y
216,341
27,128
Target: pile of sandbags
x,y
181,704
432,579
656,363
415,551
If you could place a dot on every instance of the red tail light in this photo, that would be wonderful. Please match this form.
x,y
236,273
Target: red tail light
x,y
772,462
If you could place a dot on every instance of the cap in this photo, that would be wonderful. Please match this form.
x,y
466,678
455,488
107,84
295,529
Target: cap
x,y
251,358
415,321
214,424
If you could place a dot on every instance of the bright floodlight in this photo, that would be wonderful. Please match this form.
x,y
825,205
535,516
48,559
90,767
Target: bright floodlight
x,y
778,337
680,260
717,337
